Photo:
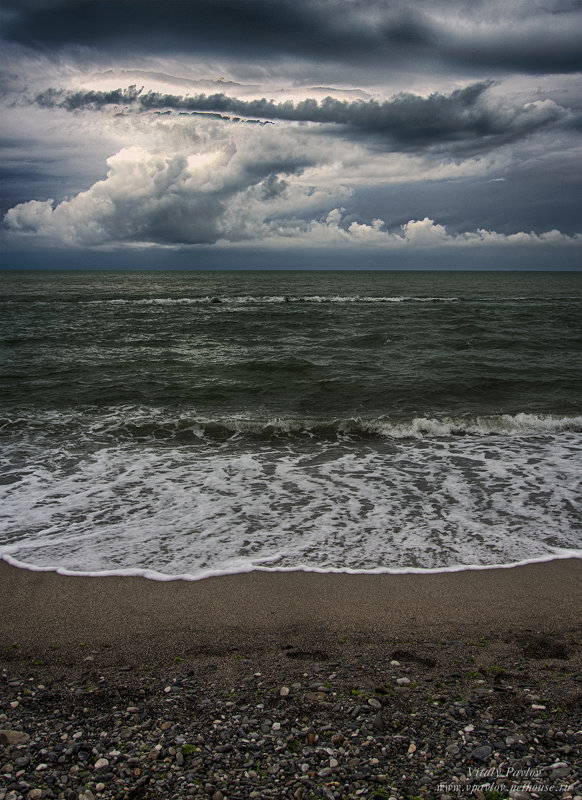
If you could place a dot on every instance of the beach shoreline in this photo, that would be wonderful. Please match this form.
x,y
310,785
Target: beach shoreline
x,y
145,618
293,685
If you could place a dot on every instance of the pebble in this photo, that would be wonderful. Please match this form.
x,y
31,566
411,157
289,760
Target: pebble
x,y
215,738
13,737
560,773
482,754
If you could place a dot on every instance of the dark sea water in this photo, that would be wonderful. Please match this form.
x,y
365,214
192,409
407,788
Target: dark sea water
x,y
191,423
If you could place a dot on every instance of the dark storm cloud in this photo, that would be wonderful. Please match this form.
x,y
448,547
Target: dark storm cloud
x,y
91,99
123,98
462,119
527,38
260,27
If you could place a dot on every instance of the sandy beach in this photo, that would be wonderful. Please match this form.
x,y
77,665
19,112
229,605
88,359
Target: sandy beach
x,y
152,620
293,685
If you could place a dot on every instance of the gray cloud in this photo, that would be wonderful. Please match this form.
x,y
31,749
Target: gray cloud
x,y
528,37
463,120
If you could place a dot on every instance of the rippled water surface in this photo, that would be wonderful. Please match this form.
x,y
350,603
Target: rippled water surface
x,y
193,423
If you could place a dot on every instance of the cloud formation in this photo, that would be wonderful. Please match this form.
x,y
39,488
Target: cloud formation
x,y
524,36
325,124
172,199
463,119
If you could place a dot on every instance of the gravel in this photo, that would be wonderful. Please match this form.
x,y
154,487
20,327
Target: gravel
x,y
483,719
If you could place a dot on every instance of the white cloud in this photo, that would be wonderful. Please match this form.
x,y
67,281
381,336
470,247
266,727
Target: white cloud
x,y
33,217
424,232
413,235
207,197
145,197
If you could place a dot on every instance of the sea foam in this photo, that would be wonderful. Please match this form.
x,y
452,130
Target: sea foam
x,y
436,500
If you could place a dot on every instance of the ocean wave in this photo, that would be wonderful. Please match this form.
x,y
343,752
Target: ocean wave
x,y
277,299
132,423
107,495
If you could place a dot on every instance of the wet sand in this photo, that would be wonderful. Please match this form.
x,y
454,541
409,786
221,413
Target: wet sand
x,y
149,621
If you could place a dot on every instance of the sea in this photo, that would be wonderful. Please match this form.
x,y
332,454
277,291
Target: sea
x,y
189,424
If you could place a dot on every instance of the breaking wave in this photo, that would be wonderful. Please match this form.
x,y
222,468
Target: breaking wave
x,y
270,299
113,497
135,423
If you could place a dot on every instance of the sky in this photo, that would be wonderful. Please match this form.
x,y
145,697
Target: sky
x,y
289,134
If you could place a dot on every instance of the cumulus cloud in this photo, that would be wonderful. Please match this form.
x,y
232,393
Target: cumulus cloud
x,y
200,199
416,235
168,198
145,197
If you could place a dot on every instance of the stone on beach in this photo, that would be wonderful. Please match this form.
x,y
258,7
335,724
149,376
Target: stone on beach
x,y
482,753
9,737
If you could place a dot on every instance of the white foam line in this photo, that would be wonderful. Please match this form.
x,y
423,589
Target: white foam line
x,y
273,299
154,575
